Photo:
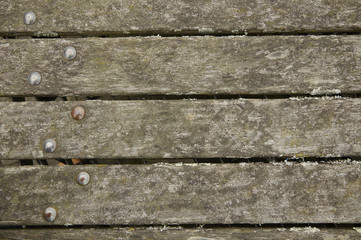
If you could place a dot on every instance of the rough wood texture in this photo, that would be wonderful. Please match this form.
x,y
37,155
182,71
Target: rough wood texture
x,y
189,234
187,65
239,128
179,17
182,194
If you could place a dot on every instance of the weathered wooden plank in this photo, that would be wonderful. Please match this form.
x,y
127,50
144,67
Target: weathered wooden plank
x,y
190,234
178,17
183,66
237,128
183,129
182,194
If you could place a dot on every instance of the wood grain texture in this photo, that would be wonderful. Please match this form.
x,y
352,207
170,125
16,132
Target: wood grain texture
x,y
189,234
183,194
179,17
184,66
310,127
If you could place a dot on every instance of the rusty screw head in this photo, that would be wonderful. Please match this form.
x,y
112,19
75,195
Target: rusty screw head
x,y
34,78
70,53
78,113
29,18
50,214
49,145
83,178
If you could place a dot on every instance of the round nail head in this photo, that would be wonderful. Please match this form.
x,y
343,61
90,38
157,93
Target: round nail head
x,y
34,78
49,145
29,18
50,214
70,53
83,178
78,113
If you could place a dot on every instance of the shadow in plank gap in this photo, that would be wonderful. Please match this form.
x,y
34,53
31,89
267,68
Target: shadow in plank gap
x,y
290,161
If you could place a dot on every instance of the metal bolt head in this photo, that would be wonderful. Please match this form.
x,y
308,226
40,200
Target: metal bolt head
x,y
78,113
34,78
29,18
70,53
50,214
83,178
49,145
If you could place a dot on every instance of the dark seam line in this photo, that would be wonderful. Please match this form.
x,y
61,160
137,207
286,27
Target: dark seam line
x,y
164,97
9,35
194,226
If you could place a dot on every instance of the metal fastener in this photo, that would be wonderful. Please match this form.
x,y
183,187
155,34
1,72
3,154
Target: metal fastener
x,y
49,145
29,18
70,53
83,178
78,112
34,78
50,214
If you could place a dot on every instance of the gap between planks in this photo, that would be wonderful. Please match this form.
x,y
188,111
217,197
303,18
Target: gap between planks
x,y
6,35
168,97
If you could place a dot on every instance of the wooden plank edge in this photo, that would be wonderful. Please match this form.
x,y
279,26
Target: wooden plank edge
x,y
180,233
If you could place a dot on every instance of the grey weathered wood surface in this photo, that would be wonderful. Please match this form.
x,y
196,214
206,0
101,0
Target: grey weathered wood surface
x,y
189,234
179,17
183,194
186,65
237,128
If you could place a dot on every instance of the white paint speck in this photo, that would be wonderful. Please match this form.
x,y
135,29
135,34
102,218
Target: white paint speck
x,y
270,142
305,164
201,238
205,30
305,229
167,155
278,55
318,91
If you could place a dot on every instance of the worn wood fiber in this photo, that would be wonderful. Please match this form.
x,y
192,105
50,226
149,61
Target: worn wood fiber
x,y
182,194
189,234
179,17
181,66
239,128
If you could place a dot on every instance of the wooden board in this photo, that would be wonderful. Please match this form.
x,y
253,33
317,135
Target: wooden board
x,y
311,127
182,194
291,65
126,17
190,234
